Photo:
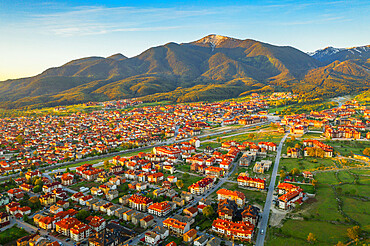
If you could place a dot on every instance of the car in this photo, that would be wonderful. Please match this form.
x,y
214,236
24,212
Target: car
x,y
67,240
262,232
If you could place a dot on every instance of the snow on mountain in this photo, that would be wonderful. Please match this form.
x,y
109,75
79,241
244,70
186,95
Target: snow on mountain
x,y
330,54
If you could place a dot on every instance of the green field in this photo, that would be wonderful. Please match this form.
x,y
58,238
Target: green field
x,y
268,136
358,210
306,164
295,232
322,214
12,234
346,147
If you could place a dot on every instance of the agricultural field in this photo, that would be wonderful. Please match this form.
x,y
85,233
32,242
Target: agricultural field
x,y
268,135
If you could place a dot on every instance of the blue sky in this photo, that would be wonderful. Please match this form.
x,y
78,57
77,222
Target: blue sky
x,y
36,35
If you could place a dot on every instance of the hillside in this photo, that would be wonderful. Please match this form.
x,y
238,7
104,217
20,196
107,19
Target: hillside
x,y
214,67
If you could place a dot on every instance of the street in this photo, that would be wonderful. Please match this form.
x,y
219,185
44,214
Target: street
x,y
266,210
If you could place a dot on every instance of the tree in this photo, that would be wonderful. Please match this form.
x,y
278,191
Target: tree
x,y
21,174
311,237
39,182
282,174
314,182
354,232
297,146
208,211
340,244
251,135
294,171
68,170
19,139
25,218
179,183
37,188
292,138
366,151
66,155
82,214
186,175
106,164
218,139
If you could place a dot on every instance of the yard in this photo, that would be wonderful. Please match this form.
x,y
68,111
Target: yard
x,y
87,184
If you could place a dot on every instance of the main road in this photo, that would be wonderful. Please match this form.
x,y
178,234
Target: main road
x,y
266,210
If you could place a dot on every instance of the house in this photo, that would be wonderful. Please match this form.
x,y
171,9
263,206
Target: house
x,y
48,199
112,209
135,218
201,240
4,219
65,225
192,211
80,232
152,238
251,214
244,180
112,194
47,223
291,194
4,199
307,174
201,186
161,231
147,221
294,152
175,226
236,196
159,209
189,236
140,203
227,209
97,223
67,179
83,200
233,230
15,194
54,209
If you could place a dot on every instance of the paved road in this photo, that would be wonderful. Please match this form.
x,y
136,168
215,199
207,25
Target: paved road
x,y
266,211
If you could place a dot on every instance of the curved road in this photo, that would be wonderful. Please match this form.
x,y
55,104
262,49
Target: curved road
x,y
266,210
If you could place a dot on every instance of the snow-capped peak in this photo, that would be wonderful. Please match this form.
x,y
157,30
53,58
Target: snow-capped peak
x,y
328,51
213,40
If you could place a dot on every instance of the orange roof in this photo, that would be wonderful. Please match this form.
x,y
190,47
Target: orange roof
x,y
229,193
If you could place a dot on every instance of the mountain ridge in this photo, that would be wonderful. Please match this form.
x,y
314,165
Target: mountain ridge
x,y
213,67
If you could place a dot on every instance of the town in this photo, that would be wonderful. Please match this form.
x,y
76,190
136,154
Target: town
x,y
185,174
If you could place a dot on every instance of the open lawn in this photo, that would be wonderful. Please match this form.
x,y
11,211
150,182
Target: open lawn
x,y
311,135
361,171
357,210
364,180
307,163
270,135
212,144
326,206
348,146
345,177
188,180
12,234
87,184
295,232
359,190
326,178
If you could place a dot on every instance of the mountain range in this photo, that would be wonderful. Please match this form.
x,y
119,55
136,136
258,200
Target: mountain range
x,y
213,67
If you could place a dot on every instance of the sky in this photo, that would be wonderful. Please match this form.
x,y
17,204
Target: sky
x,y
36,35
